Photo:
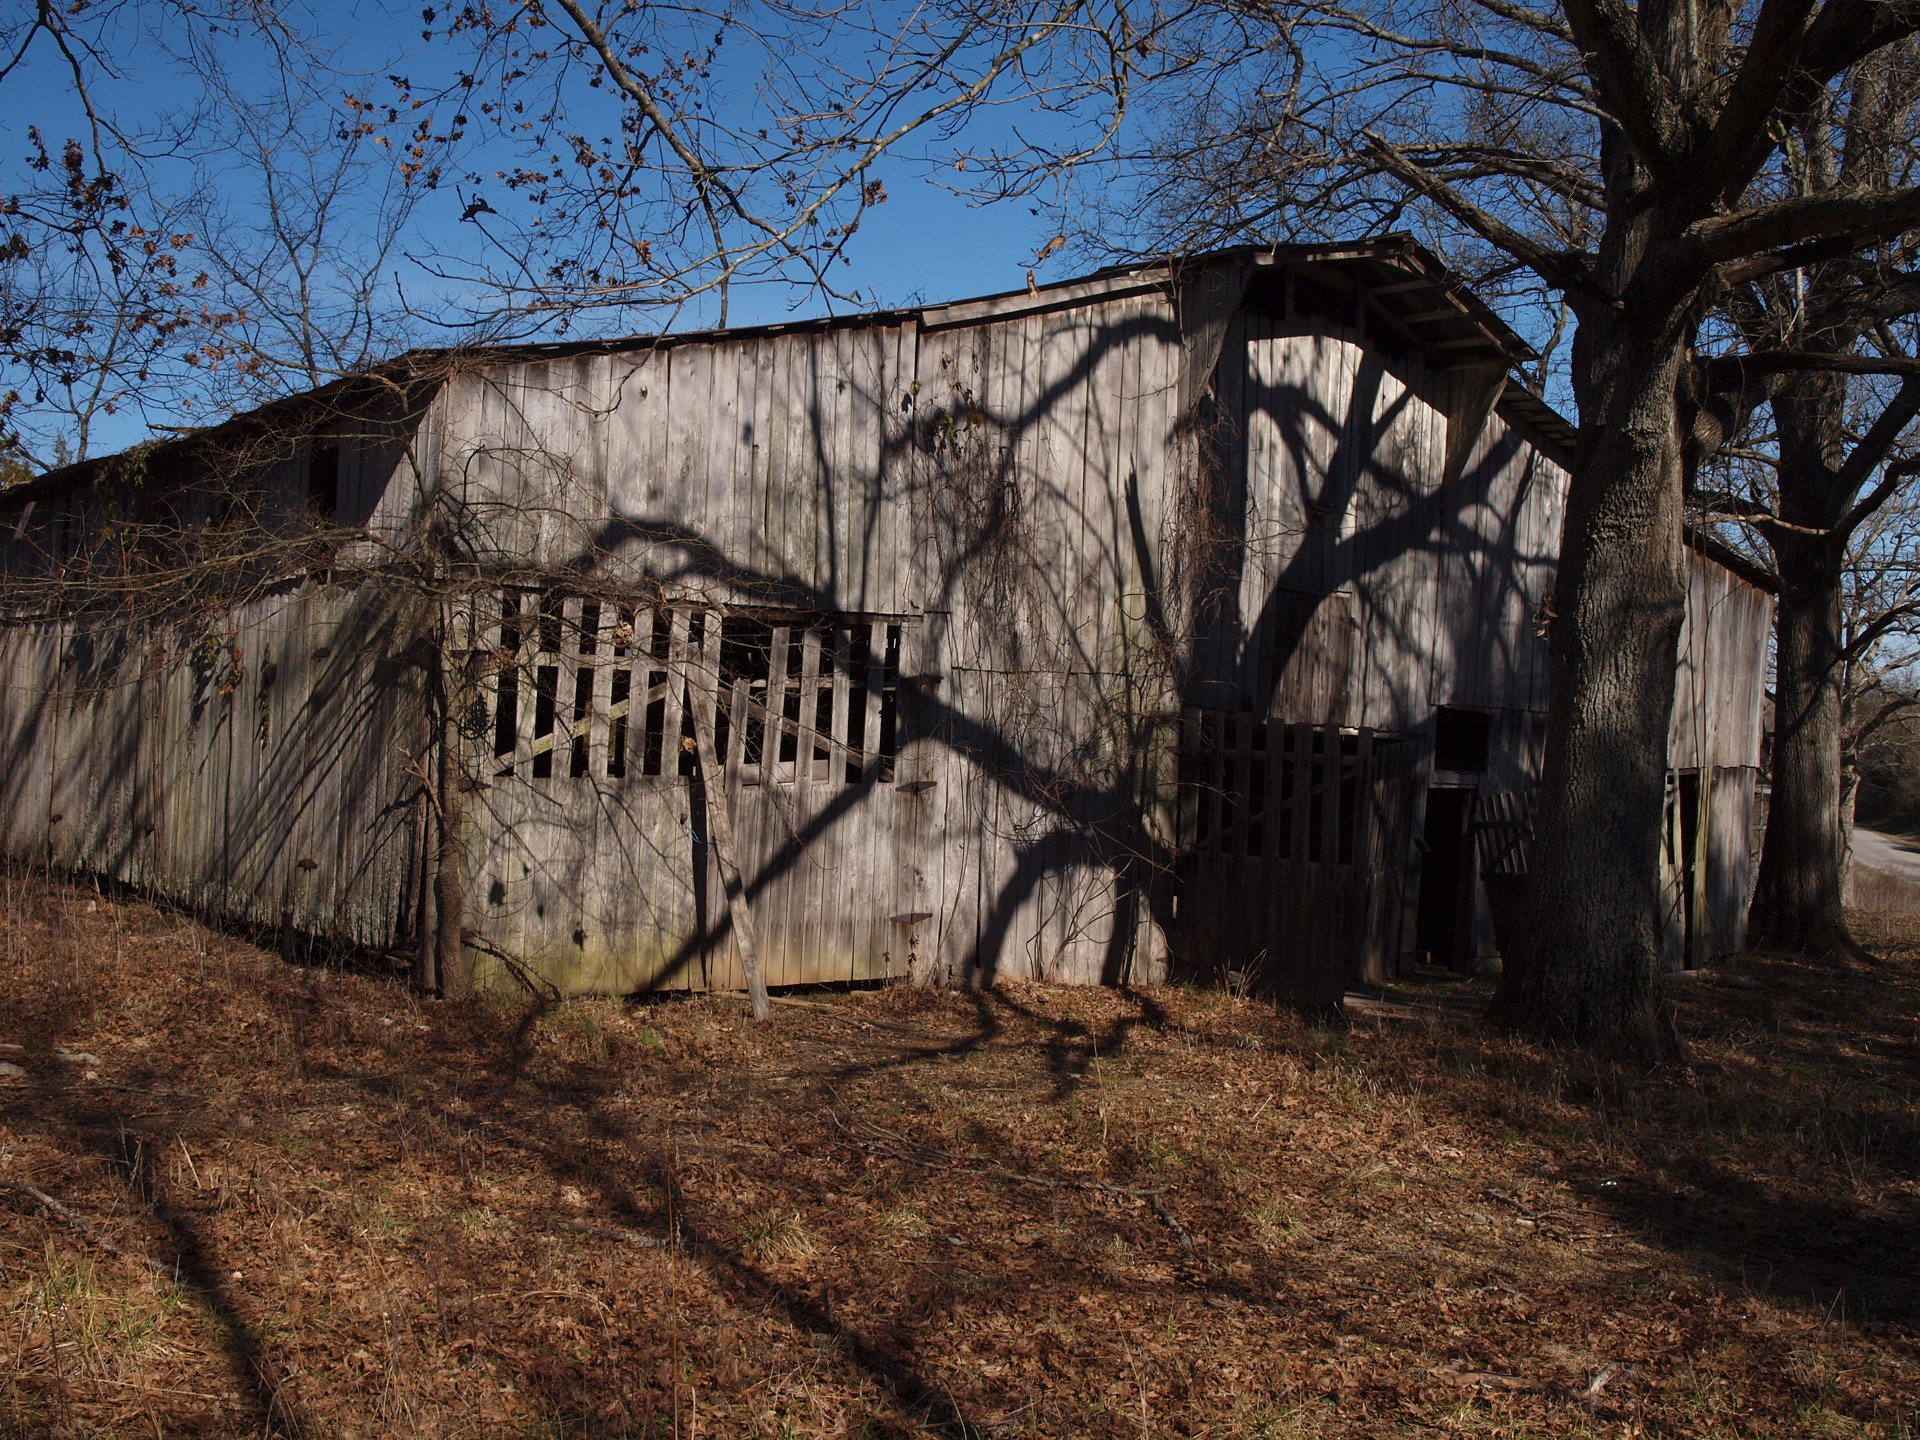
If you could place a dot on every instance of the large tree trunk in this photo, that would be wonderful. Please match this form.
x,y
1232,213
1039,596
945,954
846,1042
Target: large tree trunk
x,y
1587,960
1798,903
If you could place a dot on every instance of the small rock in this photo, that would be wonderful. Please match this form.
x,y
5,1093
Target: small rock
x,y
10,1071
9,1048
75,1057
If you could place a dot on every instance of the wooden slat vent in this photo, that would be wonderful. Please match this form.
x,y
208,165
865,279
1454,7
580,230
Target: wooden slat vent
x,y
1294,840
588,687
1265,789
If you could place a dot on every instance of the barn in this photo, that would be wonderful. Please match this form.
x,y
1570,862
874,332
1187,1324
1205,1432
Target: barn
x,y
1180,619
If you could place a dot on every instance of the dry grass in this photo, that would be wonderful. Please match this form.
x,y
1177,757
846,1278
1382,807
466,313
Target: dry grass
x,y
905,1213
1876,890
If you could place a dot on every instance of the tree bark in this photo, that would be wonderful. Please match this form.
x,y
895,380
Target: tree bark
x,y
1587,958
1799,902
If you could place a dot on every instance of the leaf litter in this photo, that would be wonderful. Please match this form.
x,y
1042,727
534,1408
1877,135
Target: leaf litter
x,y
297,1200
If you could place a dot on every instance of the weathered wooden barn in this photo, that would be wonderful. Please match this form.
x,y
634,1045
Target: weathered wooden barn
x,y
1180,618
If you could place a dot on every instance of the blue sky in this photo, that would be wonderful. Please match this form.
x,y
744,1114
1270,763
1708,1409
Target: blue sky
x,y
928,245
924,244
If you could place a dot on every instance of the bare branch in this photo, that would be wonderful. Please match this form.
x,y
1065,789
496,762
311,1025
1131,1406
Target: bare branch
x,y
1642,101
1562,269
1726,159
1731,372
1849,221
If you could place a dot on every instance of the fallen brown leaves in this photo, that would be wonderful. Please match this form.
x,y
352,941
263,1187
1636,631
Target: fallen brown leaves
x,y
1027,1212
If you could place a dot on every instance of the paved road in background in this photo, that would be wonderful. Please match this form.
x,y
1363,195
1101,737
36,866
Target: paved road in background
x,y
1893,857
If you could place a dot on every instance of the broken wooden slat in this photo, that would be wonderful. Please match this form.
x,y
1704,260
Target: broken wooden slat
x,y
704,678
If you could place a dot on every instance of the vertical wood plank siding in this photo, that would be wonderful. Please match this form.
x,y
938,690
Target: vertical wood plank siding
x,y
1719,689
1030,668
239,770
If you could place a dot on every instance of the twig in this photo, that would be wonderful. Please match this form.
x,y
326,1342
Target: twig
x,y
1592,1393
1526,1215
1161,1209
611,1232
537,985
156,1093
1541,1219
864,1022
153,1389
60,1212
1486,1379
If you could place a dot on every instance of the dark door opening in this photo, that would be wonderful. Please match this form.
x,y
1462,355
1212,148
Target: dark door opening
x,y
1443,922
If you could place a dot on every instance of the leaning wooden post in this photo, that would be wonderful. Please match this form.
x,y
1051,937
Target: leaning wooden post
x,y
705,674
455,678
1702,826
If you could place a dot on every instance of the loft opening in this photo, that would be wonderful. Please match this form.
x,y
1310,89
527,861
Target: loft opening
x,y
1462,740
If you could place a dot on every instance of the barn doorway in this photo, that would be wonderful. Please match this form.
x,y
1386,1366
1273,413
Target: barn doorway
x,y
1443,922
1683,865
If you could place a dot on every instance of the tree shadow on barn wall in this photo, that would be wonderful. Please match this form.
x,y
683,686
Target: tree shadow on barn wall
x,y
1033,520
1074,780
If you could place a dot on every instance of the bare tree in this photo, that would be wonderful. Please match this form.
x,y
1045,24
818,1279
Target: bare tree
x,y
1813,484
93,294
1881,613
97,274
1884,753
1632,162
1828,514
596,157
1846,596
299,213
667,156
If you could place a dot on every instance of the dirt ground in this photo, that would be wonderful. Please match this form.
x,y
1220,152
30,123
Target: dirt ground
x,y
318,1206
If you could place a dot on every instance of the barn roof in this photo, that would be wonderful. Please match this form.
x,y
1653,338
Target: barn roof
x,y
1410,294
1405,282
